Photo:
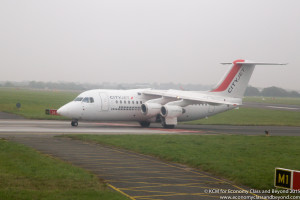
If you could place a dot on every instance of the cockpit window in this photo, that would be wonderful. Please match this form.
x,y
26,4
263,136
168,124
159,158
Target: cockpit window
x,y
78,99
86,100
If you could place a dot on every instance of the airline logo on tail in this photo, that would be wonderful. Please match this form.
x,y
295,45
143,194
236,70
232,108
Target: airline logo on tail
x,y
232,78
236,80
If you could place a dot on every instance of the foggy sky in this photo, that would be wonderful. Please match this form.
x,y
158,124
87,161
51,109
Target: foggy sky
x,y
148,41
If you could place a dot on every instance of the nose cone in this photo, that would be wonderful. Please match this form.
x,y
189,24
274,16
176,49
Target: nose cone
x,y
71,110
63,111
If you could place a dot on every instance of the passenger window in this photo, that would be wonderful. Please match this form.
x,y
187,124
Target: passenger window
x,y
121,101
141,102
128,102
116,101
137,102
132,102
86,100
91,100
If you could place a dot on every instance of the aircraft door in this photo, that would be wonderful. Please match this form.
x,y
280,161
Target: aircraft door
x,y
104,101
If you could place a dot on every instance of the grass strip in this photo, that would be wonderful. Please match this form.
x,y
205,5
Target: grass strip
x,y
252,117
33,102
27,174
274,100
247,160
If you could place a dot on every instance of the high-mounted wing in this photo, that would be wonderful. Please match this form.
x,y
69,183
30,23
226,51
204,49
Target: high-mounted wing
x,y
192,97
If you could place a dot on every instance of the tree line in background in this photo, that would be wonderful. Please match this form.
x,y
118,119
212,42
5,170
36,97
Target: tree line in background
x,y
251,91
270,92
105,85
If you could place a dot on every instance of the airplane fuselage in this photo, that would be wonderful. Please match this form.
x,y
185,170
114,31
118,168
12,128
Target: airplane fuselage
x,y
125,105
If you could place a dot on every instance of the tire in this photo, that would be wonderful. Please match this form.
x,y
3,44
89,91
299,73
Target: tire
x,y
145,124
74,123
168,126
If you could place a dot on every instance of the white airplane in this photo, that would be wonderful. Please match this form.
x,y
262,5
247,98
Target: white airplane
x,y
165,106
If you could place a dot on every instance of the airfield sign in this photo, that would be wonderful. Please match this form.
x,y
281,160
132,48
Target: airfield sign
x,y
18,105
287,178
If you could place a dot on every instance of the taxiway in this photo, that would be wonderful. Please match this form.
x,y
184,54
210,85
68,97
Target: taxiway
x,y
54,127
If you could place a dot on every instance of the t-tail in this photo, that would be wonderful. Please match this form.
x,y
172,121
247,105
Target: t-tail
x,y
235,81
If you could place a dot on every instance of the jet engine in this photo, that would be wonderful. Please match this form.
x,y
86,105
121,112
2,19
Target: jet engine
x,y
171,111
150,109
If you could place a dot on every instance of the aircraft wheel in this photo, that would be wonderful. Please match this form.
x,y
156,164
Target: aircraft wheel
x,y
168,126
74,123
145,124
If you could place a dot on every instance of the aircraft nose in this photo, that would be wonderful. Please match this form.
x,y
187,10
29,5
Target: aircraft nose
x,y
62,111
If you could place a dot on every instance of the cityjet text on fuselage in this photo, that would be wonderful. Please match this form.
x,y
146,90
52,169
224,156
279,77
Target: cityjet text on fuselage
x,y
119,97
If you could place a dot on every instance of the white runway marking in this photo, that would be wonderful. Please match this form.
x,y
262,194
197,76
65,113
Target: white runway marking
x,y
288,108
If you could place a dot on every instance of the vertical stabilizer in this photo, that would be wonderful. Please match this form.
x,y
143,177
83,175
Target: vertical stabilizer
x,y
237,78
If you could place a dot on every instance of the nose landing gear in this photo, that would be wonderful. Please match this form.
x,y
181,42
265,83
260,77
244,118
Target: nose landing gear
x,y
74,122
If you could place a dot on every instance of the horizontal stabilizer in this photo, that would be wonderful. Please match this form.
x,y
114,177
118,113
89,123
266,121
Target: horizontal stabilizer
x,y
254,63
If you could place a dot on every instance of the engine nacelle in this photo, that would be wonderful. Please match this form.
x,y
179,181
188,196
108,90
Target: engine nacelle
x,y
171,111
150,109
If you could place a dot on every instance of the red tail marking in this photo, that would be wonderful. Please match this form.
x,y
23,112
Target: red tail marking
x,y
234,70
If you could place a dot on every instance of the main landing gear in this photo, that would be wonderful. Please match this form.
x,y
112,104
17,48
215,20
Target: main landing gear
x,y
167,126
74,122
145,124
